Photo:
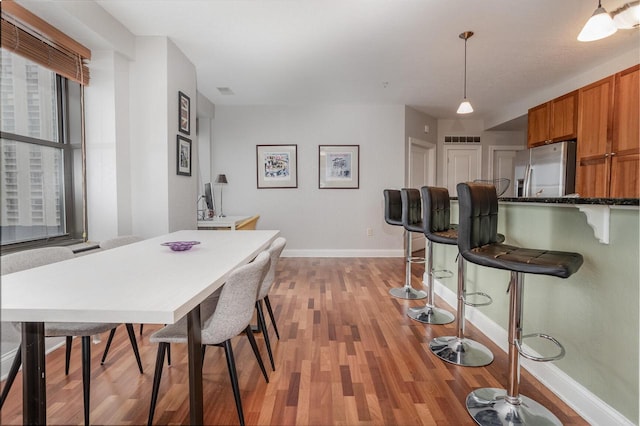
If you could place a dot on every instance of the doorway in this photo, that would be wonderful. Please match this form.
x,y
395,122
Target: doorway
x,y
422,172
502,165
463,163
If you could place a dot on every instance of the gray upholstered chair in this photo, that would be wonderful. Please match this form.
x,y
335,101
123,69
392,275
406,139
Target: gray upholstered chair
x,y
223,317
275,250
27,259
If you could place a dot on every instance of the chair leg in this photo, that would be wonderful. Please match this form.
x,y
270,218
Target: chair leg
x,y
13,372
108,345
67,354
256,352
273,319
134,344
262,326
162,348
141,325
231,365
86,375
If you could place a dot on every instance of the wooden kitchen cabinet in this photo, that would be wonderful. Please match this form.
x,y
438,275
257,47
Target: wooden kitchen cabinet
x,y
625,149
608,150
553,121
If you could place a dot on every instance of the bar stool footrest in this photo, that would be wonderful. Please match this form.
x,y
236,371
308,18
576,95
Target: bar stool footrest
x,y
491,406
522,352
416,259
480,294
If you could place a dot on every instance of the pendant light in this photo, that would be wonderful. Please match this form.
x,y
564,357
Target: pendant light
x,y
465,107
599,26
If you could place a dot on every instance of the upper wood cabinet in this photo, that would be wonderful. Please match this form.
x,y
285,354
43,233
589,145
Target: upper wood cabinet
x,y
553,121
608,150
625,148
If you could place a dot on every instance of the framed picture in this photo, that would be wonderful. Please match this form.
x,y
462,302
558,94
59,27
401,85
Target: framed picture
x,y
184,113
183,156
339,167
277,166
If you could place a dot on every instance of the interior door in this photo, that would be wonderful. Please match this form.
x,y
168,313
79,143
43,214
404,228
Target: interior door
x,y
503,165
422,171
463,164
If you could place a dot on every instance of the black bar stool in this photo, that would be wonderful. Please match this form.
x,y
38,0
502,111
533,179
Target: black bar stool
x,y
477,242
394,214
436,217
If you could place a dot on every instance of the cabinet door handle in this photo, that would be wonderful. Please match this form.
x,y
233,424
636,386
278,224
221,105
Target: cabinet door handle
x,y
613,153
606,155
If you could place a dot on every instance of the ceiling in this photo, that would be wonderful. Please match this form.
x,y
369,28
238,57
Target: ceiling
x,y
376,51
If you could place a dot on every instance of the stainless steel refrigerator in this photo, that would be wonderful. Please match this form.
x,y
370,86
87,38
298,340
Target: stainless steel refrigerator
x,y
546,171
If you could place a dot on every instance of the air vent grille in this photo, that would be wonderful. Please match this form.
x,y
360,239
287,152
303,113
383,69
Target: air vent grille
x,y
462,139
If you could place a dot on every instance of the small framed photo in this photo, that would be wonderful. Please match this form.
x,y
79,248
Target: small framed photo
x,y
277,166
183,156
339,167
184,113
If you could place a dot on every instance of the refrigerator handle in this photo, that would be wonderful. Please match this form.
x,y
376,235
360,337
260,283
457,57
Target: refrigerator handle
x,y
527,181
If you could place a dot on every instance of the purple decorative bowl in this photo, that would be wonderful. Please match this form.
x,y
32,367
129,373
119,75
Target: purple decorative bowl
x,y
181,245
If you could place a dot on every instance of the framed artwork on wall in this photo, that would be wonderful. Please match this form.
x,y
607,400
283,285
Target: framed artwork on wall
x,y
184,113
183,158
277,166
339,166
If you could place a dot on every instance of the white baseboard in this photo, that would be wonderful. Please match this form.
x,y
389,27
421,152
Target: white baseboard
x,y
589,406
343,253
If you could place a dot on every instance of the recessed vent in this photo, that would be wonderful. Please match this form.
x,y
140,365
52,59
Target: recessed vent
x,y
225,90
462,139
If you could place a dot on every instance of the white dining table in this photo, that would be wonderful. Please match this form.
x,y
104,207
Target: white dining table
x,y
144,282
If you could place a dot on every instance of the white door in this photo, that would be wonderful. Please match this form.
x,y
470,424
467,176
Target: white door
x,y
422,171
463,164
502,165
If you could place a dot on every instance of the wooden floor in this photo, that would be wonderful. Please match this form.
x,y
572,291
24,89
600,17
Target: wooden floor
x,y
347,355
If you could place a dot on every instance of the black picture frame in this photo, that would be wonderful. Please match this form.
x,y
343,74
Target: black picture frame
x,y
339,166
184,113
183,156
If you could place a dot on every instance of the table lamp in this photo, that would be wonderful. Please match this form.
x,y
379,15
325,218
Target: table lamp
x,y
221,180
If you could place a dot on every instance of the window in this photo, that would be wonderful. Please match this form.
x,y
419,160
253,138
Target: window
x,y
36,156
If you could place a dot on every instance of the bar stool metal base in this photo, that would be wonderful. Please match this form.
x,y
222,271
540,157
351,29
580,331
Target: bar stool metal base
x,y
409,293
489,406
430,315
461,351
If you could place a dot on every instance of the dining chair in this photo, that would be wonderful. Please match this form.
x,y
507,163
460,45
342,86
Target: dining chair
x,y
27,259
275,250
223,318
248,224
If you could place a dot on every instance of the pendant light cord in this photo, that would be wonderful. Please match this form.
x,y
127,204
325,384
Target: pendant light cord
x,y
465,68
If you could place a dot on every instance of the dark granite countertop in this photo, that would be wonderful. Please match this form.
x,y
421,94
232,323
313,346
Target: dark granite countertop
x,y
573,200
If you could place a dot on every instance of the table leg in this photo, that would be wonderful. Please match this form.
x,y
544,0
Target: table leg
x,y
195,366
34,395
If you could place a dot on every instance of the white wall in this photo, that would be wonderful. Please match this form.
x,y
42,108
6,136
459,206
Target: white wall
x,y
182,190
315,222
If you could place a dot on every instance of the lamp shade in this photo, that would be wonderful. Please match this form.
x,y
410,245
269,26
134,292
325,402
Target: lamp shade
x,y
599,26
222,179
465,107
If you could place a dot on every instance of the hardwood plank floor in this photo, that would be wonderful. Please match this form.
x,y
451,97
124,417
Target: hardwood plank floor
x,y
348,355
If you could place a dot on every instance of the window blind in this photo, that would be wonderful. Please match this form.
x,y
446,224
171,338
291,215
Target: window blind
x,y
28,35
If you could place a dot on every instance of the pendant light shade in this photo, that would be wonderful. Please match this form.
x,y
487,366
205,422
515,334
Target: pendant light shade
x,y
599,26
465,107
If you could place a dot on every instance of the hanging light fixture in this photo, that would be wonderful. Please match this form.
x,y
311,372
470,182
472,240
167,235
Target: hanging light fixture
x,y
465,106
599,26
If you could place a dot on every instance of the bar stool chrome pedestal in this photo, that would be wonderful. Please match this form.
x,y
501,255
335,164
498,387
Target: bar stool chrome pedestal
x,y
436,218
399,212
477,243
